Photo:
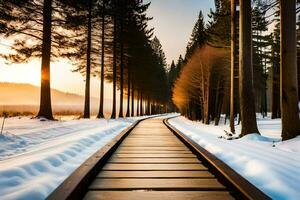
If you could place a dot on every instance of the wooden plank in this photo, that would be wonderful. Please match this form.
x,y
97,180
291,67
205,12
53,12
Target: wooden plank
x,y
170,184
152,142
165,195
165,144
152,145
152,152
144,137
155,174
154,148
151,139
182,155
154,160
132,167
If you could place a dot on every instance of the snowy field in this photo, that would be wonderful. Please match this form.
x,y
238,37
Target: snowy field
x,y
273,166
36,156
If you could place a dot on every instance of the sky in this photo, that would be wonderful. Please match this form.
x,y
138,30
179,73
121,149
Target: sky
x,y
173,21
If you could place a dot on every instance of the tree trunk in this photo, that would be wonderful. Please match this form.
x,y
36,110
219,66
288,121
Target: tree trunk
x,y
45,98
148,106
137,103
132,98
86,113
113,113
248,115
100,113
233,52
141,104
128,93
288,71
275,100
121,72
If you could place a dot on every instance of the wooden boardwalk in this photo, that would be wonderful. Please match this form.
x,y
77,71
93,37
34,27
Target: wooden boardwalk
x,y
152,163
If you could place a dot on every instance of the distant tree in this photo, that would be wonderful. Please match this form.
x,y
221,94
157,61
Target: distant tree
x,y
218,28
275,72
261,54
198,92
198,37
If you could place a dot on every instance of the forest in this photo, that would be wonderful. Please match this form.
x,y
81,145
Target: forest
x,y
108,39
227,71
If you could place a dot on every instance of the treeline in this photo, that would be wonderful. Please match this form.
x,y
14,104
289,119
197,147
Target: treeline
x,y
261,75
202,78
109,39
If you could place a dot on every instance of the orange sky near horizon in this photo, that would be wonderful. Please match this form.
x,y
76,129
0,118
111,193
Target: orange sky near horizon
x,y
62,78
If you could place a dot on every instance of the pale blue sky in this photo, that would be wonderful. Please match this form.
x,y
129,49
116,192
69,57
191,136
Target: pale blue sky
x,y
174,20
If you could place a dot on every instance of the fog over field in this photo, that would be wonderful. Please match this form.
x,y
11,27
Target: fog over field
x,y
24,98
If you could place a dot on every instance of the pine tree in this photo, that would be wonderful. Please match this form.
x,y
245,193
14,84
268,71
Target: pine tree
x,y
198,37
32,21
248,115
288,71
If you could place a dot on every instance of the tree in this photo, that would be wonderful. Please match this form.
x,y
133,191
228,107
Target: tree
x,y
288,71
80,25
45,100
36,23
103,15
198,37
261,54
275,73
233,56
247,106
115,21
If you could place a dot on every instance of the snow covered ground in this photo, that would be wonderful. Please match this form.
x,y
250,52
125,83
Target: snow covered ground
x,y
273,166
36,156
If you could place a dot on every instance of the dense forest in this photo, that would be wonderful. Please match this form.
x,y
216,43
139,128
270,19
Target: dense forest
x,y
236,65
109,39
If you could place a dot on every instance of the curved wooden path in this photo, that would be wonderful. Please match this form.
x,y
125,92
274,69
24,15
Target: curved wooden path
x,y
151,162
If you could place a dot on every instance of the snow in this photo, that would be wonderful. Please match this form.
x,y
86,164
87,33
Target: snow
x,y
36,156
270,164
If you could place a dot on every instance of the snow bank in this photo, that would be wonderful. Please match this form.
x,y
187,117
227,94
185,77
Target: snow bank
x,y
273,166
36,156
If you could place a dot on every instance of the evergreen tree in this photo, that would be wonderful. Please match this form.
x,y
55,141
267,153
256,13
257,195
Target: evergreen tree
x,y
36,23
198,37
248,115
288,71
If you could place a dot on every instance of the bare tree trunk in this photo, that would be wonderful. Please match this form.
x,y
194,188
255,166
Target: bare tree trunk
x,y
45,98
233,52
148,106
101,105
248,115
288,71
141,103
128,93
113,113
132,98
275,100
121,73
137,103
